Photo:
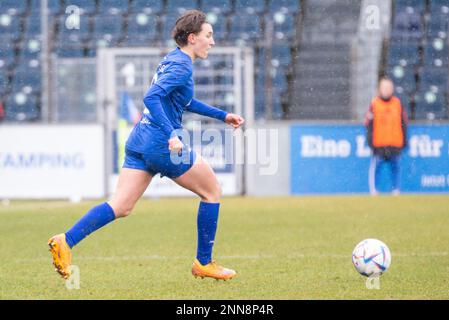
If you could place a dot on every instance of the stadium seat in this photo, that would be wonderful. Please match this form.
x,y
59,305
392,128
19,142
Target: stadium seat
x,y
180,6
436,53
142,28
7,55
439,6
403,78
219,24
13,7
147,6
4,82
292,6
113,7
168,22
217,6
407,25
54,7
108,28
31,47
33,25
250,6
20,106
418,6
281,55
435,77
403,53
244,26
404,98
438,25
27,79
284,26
10,27
85,6
430,106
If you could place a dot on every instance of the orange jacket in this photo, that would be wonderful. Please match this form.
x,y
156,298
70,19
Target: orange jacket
x,y
386,122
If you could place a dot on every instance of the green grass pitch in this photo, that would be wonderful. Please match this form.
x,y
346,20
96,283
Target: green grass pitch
x,y
282,248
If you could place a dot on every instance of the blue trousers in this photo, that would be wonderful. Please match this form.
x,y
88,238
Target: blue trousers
x,y
376,162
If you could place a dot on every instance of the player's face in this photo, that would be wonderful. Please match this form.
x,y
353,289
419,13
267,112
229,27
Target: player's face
x,y
204,41
386,89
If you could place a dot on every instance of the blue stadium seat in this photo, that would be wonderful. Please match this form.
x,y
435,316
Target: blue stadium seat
x,y
281,55
407,25
113,7
438,25
439,6
403,78
250,6
403,53
31,47
33,25
20,106
245,26
3,82
284,25
70,48
13,7
54,7
292,6
435,77
430,106
147,6
436,53
405,100
109,28
419,6
74,29
85,6
7,55
142,28
217,6
219,24
10,27
27,79
180,6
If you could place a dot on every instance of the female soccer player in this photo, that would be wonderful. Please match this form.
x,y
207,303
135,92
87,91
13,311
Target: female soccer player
x,y
153,145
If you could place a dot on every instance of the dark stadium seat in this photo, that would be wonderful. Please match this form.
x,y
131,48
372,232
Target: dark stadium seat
x,y
403,53
418,6
10,27
219,24
179,6
434,76
7,55
436,53
438,25
407,25
168,21
281,54
54,7
439,6
33,25
430,105
405,99
3,82
217,6
85,6
245,26
142,28
292,6
250,6
113,6
13,7
26,78
147,6
70,49
108,28
21,107
403,77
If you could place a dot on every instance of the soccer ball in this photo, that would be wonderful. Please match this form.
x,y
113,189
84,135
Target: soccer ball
x,y
371,257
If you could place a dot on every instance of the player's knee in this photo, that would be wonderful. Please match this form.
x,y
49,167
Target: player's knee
x,y
122,210
213,195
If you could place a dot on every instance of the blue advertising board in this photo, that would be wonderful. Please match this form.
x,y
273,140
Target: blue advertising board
x,y
328,159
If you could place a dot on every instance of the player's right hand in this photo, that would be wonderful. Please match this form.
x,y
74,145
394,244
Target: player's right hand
x,y
175,145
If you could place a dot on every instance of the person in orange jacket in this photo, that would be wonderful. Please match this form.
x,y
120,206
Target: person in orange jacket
x,y
386,123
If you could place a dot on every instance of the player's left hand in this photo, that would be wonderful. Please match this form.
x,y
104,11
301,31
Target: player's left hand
x,y
234,120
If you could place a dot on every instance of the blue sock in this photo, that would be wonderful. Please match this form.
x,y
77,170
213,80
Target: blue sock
x,y
96,218
207,227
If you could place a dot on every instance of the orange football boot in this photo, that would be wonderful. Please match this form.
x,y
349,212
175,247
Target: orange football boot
x,y
61,253
212,270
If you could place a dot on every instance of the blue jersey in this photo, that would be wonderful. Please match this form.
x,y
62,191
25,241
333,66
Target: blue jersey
x,y
170,94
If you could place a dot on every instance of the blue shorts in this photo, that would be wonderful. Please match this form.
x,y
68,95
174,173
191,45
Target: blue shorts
x,y
171,165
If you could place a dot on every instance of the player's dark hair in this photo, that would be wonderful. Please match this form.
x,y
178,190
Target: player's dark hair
x,y
190,22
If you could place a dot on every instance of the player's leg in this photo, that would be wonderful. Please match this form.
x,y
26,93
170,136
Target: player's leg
x,y
201,179
131,184
395,174
372,174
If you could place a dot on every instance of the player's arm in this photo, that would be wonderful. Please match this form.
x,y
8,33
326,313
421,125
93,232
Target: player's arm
x,y
404,122
199,107
369,117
